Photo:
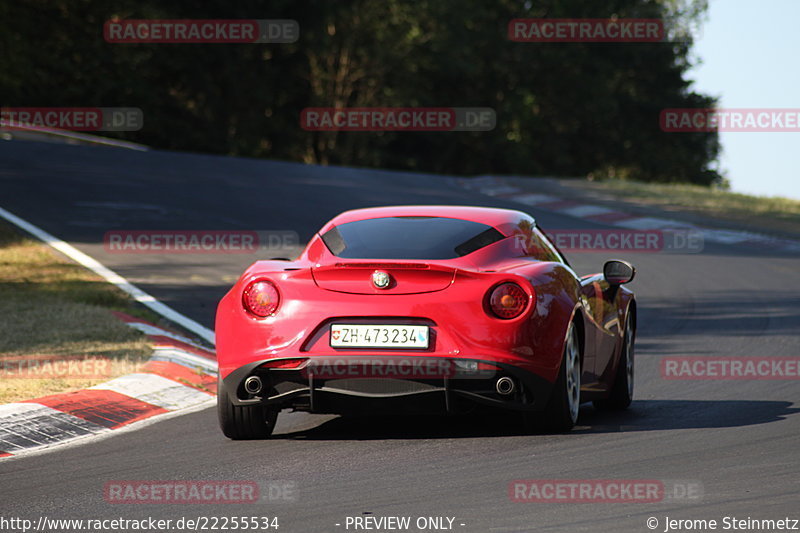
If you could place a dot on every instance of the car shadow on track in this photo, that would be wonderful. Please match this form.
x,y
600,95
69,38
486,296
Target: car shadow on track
x,y
652,415
643,415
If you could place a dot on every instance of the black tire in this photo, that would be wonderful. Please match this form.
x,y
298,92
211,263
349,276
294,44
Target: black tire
x,y
621,394
244,422
561,412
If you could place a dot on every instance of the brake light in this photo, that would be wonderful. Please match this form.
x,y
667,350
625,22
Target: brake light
x,y
284,363
508,300
261,298
474,366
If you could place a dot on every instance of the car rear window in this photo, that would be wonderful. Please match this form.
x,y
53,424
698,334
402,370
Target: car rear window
x,y
409,238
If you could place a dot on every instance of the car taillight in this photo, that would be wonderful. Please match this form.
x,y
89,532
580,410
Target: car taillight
x,y
284,363
261,298
508,300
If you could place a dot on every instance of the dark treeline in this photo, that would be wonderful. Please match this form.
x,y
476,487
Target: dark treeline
x,y
566,109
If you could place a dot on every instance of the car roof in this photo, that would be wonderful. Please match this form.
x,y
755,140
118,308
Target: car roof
x,y
502,219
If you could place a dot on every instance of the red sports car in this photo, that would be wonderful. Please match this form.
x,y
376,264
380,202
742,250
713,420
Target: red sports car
x,y
433,308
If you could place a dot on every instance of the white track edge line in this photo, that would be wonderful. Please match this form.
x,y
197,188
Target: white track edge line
x,y
55,132
108,432
112,277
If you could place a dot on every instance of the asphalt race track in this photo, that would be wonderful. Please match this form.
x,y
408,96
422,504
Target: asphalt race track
x,y
735,443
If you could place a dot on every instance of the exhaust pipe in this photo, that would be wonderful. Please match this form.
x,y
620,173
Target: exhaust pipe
x,y
252,385
505,386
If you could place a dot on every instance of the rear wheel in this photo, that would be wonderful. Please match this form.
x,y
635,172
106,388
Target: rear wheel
x,y
561,412
621,394
244,422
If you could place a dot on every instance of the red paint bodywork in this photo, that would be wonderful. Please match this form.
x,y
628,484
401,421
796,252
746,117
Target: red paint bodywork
x,y
451,296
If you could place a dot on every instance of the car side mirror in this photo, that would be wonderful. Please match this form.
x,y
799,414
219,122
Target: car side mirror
x,y
617,272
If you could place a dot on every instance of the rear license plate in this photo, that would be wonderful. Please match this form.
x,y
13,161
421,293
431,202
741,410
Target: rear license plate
x,y
378,336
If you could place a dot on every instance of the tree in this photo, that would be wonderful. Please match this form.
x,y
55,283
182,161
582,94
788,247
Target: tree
x,y
569,109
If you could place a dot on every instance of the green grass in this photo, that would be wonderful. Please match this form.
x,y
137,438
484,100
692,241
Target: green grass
x,y
51,306
776,213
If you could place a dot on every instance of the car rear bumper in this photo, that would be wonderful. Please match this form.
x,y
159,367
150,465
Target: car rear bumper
x,y
455,384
